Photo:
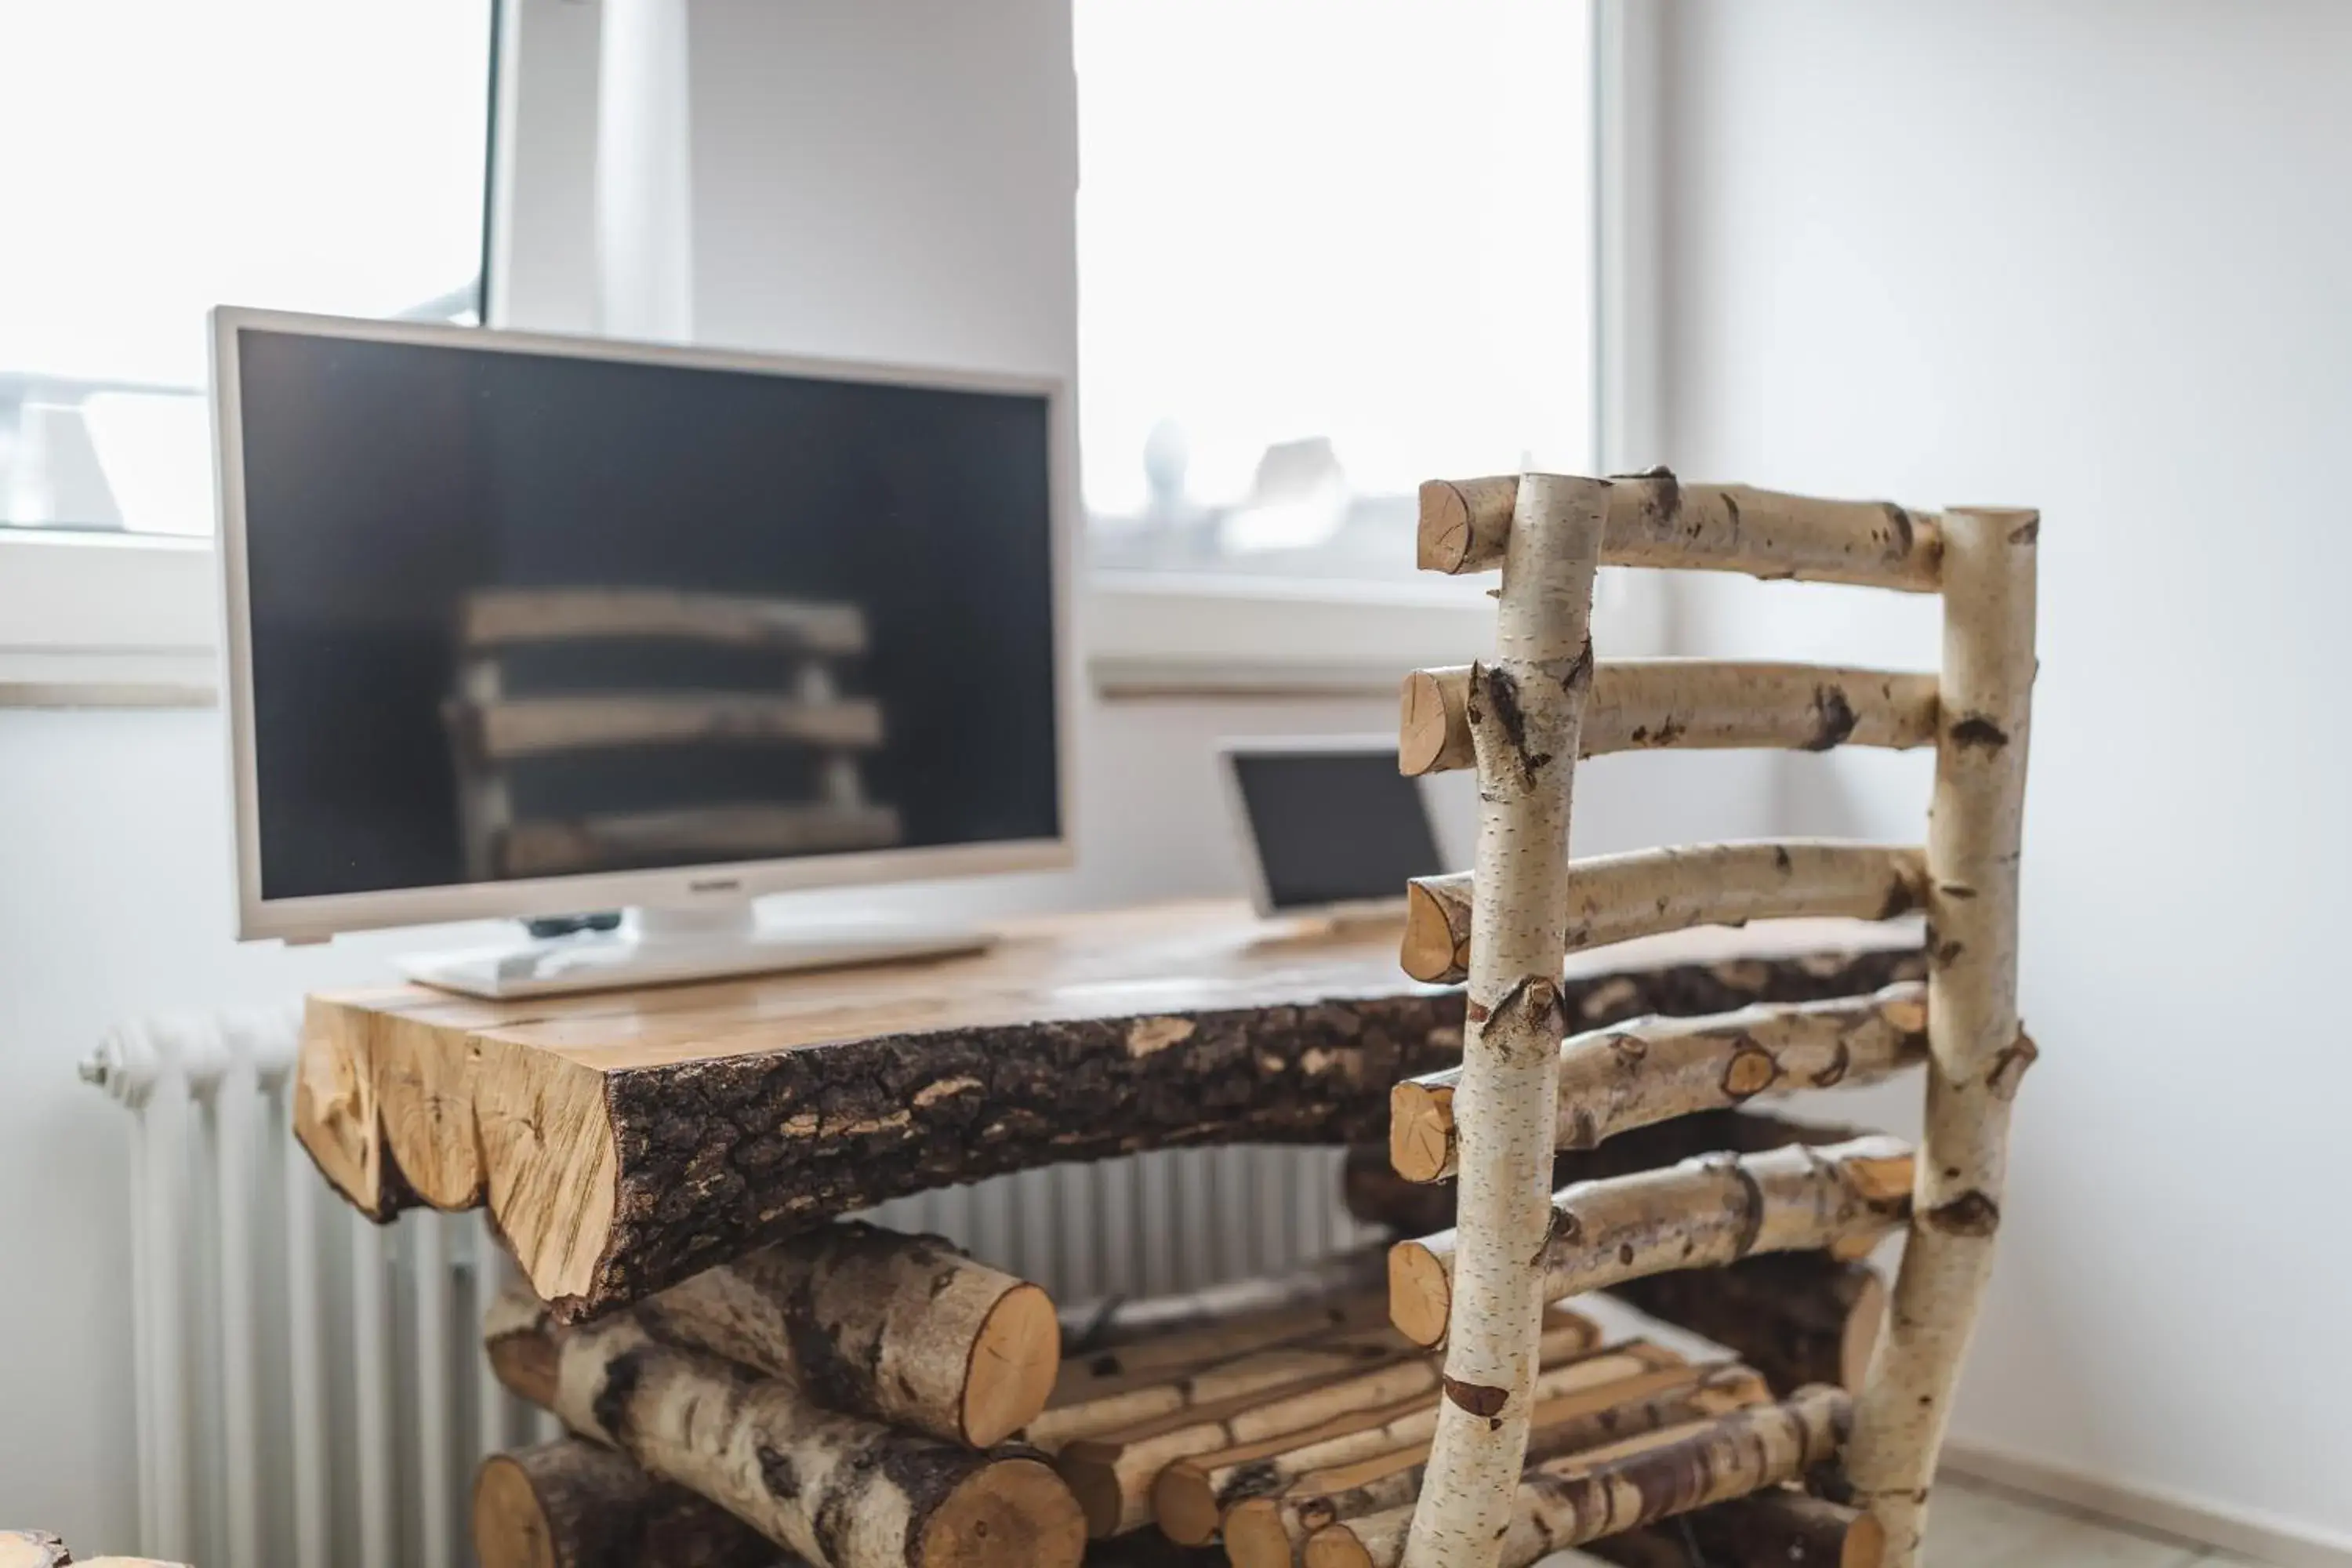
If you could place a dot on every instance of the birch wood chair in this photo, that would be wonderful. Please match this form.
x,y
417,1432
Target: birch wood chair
x,y
1522,720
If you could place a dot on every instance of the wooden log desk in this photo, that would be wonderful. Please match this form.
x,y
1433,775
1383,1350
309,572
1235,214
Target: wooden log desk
x,y
624,1140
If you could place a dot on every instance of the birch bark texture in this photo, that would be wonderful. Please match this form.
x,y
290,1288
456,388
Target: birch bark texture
x,y
1656,520
839,1490
1976,1050
1654,1069
1525,715
1616,898
900,1329
1715,1209
1584,1497
1694,704
570,1504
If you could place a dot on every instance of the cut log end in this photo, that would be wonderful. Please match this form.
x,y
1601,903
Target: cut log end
x,y
1015,1513
511,1530
1336,1546
1185,1505
1254,1535
1015,1359
1420,1292
1443,542
1421,1130
1865,1544
1429,951
1432,725
1100,1497
1865,1322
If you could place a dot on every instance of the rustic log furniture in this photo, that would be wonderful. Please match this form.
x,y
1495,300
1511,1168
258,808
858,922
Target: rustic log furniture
x,y
1522,720
624,1140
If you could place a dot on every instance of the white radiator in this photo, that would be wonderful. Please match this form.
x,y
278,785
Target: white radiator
x,y
311,1389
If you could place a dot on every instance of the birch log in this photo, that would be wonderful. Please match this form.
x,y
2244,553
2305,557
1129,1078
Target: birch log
x,y
570,1504
1112,1474
1978,1050
1644,704
1796,1317
1376,1194
1615,898
1586,1496
1525,713
1654,1069
1715,1209
901,1329
1264,1533
1189,1496
1775,1529
1113,1404
840,1490
1655,520
1325,1293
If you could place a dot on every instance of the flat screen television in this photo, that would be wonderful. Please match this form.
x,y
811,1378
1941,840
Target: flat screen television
x,y
523,625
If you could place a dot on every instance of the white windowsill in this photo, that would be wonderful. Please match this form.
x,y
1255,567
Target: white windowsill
x,y
100,620
109,621
1171,635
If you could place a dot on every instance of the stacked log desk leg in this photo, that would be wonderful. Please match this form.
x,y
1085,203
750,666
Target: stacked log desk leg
x,y
728,1424
570,1504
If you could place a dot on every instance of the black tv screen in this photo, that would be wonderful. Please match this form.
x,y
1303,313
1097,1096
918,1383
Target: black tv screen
x,y
517,614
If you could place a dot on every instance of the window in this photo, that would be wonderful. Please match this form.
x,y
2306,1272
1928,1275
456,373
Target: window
x,y
1327,249
165,157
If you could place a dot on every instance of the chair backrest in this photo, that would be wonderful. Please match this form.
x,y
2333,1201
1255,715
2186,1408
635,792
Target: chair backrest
x,y
1522,721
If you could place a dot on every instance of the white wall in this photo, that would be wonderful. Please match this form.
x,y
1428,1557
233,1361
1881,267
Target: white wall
x,y
2094,257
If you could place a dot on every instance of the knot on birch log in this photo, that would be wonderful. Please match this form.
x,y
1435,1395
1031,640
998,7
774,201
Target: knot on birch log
x,y
1483,1400
2010,1066
1971,1215
610,1408
1979,732
1751,1069
1578,678
1833,718
1495,692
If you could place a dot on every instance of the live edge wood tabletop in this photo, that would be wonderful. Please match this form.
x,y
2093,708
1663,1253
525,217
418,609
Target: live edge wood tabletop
x,y
624,1141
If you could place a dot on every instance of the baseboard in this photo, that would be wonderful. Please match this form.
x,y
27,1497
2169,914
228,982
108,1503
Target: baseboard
x,y
2265,1538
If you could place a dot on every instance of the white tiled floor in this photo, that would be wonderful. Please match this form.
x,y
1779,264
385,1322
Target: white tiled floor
x,y
1977,1526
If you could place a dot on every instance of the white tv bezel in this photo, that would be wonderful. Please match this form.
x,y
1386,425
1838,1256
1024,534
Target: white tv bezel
x,y
318,916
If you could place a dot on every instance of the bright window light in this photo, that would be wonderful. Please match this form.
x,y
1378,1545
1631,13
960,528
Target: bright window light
x,y
1327,248
160,158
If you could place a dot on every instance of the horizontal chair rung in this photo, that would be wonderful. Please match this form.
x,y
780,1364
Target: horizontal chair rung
x,y
1842,1198
1655,520
1654,1069
1615,898
1690,704
1583,1497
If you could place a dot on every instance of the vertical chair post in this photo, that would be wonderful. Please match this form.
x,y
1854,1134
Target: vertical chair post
x,y
1526,711
1977,1050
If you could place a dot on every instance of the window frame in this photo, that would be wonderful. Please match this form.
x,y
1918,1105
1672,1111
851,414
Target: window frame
x,y
115,620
